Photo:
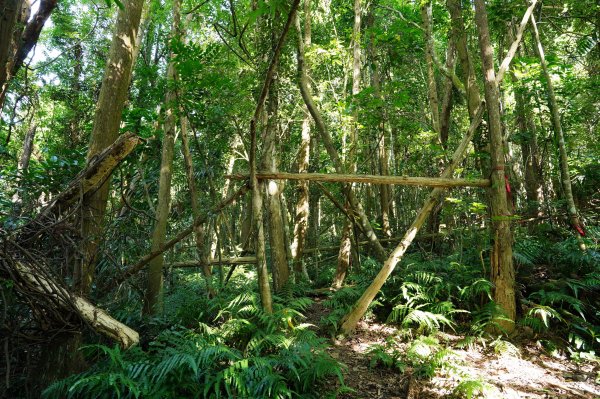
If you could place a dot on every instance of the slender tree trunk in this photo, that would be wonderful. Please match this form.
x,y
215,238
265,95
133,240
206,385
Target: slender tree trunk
x,y
314,209
360,307
153,295
27,149
345,253
111,101
383,147
23,166
269,163
199,229
335,158
257,215
529,152
431,83
303,159
14,15
462,49
502,268
447,100
560,137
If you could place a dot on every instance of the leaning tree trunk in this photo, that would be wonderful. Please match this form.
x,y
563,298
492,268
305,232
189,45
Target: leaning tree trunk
x,y
360,307
565,176
502,268
24,39
351,319
111,101
153,295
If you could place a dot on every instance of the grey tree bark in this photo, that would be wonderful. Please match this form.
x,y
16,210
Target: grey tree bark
x,y
113,93
154,286
565,176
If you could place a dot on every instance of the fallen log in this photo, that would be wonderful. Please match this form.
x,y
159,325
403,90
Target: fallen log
x,y
60,299
242,260
445,181
49,299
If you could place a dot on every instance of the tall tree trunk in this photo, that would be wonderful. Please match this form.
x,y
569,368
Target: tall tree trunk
x,y
462,49
335,158
529,151
303,159
468,72
257,215
107,119
351,318
383,147
345,252
199,229
14,13
153,295
447,100
565,176
431,83
362,304
269,163
314,208
502,268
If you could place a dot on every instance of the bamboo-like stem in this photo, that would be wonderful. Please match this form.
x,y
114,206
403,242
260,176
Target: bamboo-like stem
x,y
242,260
369,179
351,318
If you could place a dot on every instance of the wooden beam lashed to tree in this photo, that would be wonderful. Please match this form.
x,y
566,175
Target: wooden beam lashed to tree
x,y
369,179
242,260
360,307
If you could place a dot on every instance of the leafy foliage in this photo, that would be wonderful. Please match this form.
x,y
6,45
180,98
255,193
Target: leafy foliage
x,y
248,353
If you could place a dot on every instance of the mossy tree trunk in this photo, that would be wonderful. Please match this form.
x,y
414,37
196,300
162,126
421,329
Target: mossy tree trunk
x,y
502,268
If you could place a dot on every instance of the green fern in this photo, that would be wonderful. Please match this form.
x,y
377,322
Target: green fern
x,y
475,388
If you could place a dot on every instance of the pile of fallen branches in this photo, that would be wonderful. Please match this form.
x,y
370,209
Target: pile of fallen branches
x,y
36,261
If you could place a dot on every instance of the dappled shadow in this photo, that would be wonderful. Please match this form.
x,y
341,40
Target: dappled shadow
x,y
532,374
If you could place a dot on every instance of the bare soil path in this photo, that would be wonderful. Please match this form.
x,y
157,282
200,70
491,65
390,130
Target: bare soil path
x,y
530,374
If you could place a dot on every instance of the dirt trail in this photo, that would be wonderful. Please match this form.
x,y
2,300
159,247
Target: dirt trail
x,y
531,374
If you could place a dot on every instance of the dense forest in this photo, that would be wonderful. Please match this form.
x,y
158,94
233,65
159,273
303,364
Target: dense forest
x,y
281,199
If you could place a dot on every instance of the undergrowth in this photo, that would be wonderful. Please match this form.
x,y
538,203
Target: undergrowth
x,y
237,351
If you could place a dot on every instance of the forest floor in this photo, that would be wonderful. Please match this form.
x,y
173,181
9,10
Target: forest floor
x,y
531,374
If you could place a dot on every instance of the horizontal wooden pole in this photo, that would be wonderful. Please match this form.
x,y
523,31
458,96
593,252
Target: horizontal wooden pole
x,y
371,179
243,260
392,239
